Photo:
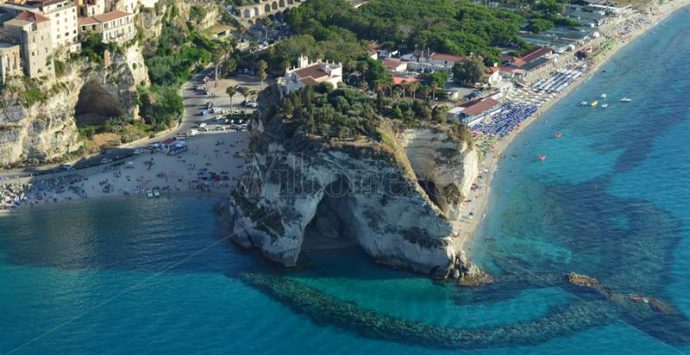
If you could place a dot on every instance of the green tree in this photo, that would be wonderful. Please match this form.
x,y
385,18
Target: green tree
x,y
220,52
413,87
231,91
244,91
261,73
468,72
537,25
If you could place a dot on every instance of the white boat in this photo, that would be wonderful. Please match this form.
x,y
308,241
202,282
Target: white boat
x,y
625,99
156,192
603,96
584,103
604,105
595,103
149,193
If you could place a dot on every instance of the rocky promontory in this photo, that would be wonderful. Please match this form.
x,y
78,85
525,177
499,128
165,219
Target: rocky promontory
x,y
394,190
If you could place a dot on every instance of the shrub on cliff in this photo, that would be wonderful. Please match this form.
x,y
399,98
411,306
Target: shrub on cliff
x,y
329,113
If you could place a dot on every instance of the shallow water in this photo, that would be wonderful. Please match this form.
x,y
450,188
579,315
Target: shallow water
x,y
610,201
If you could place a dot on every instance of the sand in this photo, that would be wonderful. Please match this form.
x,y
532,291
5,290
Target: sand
x,y
210,166
623,34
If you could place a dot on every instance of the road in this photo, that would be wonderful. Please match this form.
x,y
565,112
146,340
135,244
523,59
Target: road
x,y
194,102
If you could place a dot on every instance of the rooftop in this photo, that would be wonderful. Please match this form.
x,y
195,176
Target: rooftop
x,y
536,53
447,57
391,63
480,107
26,16
102,18
313,71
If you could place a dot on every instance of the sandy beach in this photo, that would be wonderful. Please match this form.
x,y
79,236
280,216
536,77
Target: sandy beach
x,y
621,32
210,165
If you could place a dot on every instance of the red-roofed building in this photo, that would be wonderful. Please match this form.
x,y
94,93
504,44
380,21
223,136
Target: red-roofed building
x,y
310,74
398,80
395,65
32,32
115,26
535,54
473,112
63,22
446,60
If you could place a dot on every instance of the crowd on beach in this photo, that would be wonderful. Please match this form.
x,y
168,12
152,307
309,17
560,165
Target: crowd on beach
x,y
533,98
209,166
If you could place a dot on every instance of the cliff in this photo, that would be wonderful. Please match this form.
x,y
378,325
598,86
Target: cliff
x,y
37,119
397,198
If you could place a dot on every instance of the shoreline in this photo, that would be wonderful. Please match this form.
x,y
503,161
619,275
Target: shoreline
x,y
491,160
209,167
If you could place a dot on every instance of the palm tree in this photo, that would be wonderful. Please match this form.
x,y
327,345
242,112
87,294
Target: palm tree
x,y
218,57
433,88
425,92
262,72
241,30
413,87
267,23
244,91
231,91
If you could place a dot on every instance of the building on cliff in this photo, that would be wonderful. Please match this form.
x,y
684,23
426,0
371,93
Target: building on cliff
x,y
10,60
311,73
115,26
89,8
32,33
63,20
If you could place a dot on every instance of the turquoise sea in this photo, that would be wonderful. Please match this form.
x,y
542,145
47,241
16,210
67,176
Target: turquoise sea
x,y
612,200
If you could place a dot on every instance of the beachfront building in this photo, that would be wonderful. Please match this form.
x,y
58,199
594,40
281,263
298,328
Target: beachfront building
x,y
32,32
532,60
474,112
311,73
115,26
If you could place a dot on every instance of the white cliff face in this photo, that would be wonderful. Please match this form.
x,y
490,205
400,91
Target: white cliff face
x,y
46,130
361,194
444,164
40,132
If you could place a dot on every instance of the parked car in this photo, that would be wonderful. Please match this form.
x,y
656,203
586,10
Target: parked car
x,y
106,160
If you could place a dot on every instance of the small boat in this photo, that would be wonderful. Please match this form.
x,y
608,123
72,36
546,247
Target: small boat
x,y
558,135
584,103
595,103
604,105
603,95
149,193
542,157
625,99
156,192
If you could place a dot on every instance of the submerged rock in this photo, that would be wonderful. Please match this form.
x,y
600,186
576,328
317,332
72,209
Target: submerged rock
x,y
582,280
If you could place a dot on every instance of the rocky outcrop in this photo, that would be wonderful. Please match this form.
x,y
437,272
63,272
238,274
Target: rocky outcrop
x,y
37,119
39,132
368,191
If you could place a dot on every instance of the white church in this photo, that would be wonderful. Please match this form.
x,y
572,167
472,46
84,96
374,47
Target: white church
x,y
311,73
